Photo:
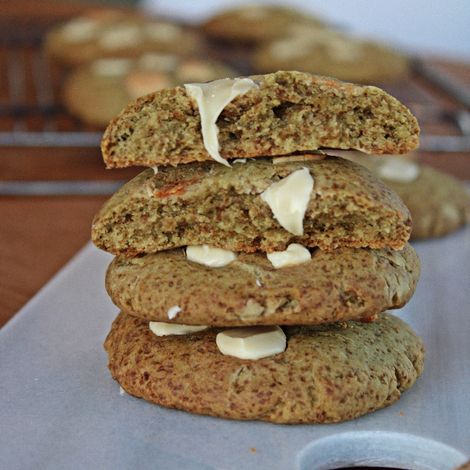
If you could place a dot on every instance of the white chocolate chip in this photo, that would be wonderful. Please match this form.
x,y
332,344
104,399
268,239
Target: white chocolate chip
x,y
121,391
114,67
211,99
295,254
253,342
239,160
160,328
155,169
79,30
289,198
120,37
210,256
258,283
398,169
173,311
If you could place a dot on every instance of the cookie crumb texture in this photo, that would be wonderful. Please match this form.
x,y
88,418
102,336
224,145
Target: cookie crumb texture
x,y
207,203
290,112
345,284
327,374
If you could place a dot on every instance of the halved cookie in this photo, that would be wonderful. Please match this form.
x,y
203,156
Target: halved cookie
x,y
284,112
326,374
344,284
208,203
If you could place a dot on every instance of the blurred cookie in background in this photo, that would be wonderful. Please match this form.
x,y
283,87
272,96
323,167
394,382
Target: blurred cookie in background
x,y
331,53
97,92
438,202
116,33
251,24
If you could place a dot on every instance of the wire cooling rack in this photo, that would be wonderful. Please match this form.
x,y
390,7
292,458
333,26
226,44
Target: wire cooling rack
x,y
31,114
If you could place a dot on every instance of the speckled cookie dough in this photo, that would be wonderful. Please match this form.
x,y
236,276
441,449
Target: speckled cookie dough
x,y
326,374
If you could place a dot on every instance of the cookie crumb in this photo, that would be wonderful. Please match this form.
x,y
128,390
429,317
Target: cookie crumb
x,y
253,449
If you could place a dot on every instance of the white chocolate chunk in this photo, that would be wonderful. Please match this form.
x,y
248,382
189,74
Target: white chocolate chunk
x,y
288,199
79,30
120,37
211,99
160,328
194,70
158,62
210,256
139,83
253,342
163,32
295,254
155,169
114,67
239,160
173,311
121,391
398,169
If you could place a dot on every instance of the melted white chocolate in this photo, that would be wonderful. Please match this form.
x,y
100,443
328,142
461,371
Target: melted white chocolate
x,y
211,99
210,256
253,342
288,199
295,254
160,328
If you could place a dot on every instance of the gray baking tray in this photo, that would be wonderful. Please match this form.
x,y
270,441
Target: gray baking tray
x,y
60,409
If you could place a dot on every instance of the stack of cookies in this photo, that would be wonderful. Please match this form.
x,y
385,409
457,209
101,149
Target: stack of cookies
x,y
252,270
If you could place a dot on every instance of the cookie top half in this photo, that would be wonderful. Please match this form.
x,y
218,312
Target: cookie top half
x,y
343,204
266,115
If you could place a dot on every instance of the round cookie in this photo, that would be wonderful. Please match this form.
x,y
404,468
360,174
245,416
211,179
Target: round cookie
x,y
208,203
327,374
334,286
330,53
98,91
439,203
255,23
116,33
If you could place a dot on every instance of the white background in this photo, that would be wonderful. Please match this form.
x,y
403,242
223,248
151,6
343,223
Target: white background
x,y
425,26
